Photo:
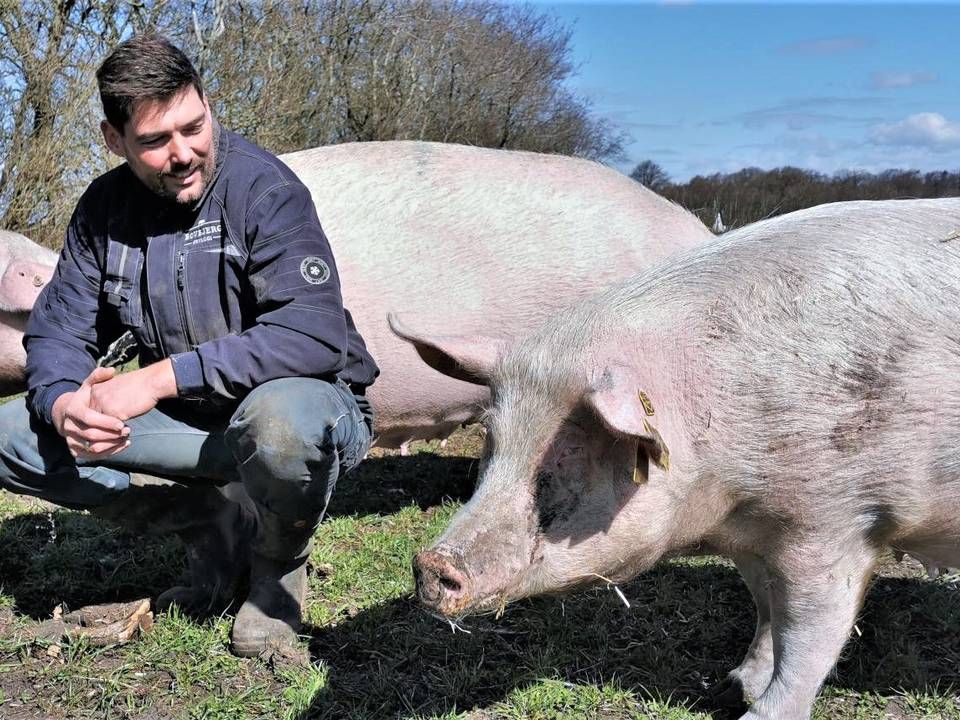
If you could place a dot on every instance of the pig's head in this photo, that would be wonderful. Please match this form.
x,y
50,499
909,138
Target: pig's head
x,y
574,481
25,268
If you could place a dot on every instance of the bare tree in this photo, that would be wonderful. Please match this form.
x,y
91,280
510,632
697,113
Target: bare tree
x,y
49,140
650,174
353,70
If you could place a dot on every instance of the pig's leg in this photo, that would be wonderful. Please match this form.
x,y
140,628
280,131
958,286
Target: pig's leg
x,y
749,679
815,595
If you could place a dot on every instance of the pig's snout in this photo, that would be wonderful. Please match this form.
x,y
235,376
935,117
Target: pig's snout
x,y
441,585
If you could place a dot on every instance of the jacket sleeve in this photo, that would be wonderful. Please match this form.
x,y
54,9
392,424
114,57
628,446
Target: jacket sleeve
x,y
299,326
61,338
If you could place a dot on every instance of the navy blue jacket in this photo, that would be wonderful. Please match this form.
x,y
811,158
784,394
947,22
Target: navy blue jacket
x,y
237,289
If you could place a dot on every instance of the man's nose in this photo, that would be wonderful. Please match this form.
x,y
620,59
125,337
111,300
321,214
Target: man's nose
x,y
180,152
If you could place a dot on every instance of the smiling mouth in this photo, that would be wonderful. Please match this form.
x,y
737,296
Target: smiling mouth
x,y
183,179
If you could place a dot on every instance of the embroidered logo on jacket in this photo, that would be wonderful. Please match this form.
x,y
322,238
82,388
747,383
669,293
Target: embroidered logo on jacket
x,y
202,231
314,270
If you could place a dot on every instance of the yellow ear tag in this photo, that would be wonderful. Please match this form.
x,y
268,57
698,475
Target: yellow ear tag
x,y
641,468
656,447
645,401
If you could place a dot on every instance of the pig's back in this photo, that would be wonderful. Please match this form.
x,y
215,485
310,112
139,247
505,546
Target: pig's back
x,y
830,341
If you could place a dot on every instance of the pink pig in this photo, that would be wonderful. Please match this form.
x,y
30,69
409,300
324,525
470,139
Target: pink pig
x,y
25,268
787,396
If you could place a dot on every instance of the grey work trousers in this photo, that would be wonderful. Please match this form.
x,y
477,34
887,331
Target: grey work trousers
x,y
288,441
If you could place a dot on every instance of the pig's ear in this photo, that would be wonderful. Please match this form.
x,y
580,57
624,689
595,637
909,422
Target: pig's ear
x,y
470,359
618,401
21,284
625,408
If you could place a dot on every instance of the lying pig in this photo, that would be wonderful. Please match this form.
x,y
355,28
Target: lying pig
x,y
25,268
470,240
787,396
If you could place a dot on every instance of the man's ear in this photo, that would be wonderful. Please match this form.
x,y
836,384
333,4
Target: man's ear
x,y
470,359
113,138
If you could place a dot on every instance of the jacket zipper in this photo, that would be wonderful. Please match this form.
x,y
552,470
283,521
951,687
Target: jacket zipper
x,y
153,316
184,299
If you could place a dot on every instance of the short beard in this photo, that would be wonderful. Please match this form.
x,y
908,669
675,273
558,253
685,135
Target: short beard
x,y
207,167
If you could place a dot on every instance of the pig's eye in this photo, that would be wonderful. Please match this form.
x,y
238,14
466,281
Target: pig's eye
x,y
569,454
556,500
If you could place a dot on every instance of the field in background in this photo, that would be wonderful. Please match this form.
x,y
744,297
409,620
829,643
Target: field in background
x,y
375,654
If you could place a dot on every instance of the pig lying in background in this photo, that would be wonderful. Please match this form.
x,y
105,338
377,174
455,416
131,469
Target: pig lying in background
x,y
469,241
465,240
787,396
25,268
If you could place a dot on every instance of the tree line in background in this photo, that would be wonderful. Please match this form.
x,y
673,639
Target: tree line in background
x,y
753,194
288,75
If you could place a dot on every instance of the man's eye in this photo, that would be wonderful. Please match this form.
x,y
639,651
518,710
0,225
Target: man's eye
x,y
151,142
193,130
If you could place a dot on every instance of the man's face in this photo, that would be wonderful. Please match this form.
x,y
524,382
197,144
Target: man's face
x,y
168,145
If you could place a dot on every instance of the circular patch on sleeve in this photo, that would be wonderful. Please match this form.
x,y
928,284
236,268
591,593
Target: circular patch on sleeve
x,y
314,270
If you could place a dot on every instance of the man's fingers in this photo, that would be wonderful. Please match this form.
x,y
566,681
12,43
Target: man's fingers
x,y
92,435
82,449
99,375
104,449
89,418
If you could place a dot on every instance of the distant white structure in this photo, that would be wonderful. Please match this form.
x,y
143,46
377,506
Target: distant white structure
x,y
718,226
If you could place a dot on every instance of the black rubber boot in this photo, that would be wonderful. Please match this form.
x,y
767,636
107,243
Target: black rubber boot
x,y
218,559
216,531
270,619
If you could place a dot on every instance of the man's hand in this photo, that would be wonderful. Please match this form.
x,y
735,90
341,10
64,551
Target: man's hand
x,y
134,393
89,433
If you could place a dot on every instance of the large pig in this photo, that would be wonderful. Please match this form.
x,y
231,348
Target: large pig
x,y
470,240
787,396
25,268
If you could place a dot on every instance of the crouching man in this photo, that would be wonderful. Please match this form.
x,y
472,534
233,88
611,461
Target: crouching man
x,y
208,249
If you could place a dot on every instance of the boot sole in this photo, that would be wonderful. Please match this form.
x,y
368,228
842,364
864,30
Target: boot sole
x,y
254,649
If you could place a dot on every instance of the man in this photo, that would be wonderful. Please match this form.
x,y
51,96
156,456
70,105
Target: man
x,y
208,249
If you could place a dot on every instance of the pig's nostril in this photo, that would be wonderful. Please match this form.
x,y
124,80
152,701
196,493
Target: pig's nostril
x,y
450,584
438,579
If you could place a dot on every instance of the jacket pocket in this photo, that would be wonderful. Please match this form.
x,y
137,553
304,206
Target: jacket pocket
x,y
122,286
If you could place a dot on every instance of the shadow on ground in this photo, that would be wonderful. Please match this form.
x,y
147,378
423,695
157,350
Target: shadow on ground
x,y
66,557
686,628
74,558
386,484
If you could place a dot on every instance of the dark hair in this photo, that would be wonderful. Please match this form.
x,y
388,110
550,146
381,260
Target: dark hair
x,y
145,67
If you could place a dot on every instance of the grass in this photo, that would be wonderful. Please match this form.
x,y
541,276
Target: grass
x,y
374,654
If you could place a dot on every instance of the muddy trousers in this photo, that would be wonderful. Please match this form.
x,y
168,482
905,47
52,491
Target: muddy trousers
x,y
287,443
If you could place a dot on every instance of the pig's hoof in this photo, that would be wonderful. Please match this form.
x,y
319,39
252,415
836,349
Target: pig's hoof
x,y
729,695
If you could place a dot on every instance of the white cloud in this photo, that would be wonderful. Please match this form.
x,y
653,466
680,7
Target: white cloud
x,y
887,80
931,130
804,113
825,46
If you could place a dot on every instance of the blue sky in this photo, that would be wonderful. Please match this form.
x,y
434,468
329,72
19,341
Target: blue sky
x,y
704,87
